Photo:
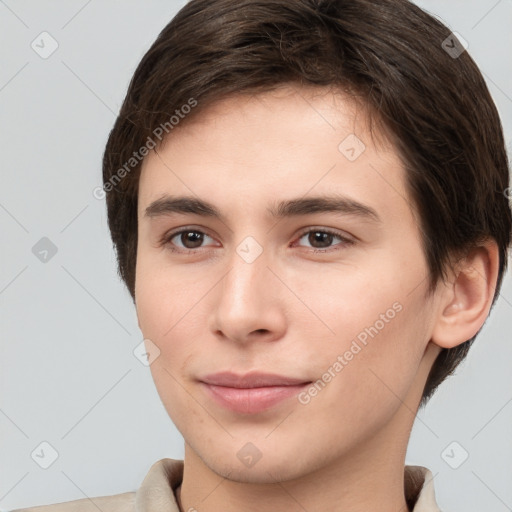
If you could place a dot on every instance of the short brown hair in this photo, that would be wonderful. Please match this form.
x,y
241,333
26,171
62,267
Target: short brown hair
x,y
433,103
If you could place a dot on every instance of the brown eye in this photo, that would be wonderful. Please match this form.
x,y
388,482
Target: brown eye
x,y
185,240
321,239
191,239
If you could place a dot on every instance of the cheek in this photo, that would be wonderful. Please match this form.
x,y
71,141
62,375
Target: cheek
x,y
344,299
368,323
170,309
365,371
163,319
160,295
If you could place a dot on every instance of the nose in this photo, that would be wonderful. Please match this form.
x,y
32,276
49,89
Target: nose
x,y
249,302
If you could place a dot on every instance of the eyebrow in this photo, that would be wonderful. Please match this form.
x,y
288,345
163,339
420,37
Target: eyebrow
x,y
168,205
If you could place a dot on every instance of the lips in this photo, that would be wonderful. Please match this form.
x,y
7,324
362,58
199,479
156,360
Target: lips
x,y
251,393
251,380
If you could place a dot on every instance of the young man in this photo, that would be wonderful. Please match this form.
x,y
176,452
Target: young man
x,y
308,205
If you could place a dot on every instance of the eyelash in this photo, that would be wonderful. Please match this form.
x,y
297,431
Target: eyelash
x,y
167,237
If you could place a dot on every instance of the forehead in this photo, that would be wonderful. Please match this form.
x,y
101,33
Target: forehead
x,y
289,142
324,109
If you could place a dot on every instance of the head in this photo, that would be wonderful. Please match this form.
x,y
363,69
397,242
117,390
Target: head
x,y
248,104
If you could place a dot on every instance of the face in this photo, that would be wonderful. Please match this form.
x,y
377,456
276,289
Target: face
x,y
274,278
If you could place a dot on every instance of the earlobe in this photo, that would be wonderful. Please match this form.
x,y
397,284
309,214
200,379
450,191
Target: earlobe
x,y
467,299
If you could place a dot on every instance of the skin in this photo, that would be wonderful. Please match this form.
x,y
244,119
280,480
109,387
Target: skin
x,y
294,310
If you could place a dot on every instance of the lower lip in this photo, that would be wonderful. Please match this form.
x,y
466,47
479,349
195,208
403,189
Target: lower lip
x,y
251,400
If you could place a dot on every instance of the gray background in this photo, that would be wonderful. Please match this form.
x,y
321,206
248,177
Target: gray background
x,y
68,375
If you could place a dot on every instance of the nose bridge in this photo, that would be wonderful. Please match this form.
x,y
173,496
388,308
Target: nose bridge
x,y
246,300
248,276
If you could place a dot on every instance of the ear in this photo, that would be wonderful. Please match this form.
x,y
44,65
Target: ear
x,y
467,299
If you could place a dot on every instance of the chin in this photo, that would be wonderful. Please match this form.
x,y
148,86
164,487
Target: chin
x,y
267,470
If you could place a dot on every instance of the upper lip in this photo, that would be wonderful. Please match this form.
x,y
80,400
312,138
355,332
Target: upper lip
x,y
250,380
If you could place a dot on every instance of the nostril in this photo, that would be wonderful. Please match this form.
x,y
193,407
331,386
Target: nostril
x,y
262,331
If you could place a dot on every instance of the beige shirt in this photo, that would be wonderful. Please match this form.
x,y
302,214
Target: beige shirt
x,y
157,493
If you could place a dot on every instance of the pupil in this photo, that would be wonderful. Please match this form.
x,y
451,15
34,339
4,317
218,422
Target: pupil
x,y
323,237
193,235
